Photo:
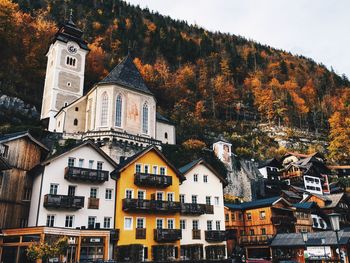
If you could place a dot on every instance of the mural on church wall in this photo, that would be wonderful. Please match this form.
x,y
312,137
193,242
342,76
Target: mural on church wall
x,y
133,112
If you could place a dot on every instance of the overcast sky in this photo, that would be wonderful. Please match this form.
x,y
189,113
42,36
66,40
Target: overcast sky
x,y
319,29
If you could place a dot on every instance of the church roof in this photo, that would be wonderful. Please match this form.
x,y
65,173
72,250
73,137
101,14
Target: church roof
x,y
127,75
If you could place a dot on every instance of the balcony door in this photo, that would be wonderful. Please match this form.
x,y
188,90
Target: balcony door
x,y
71,190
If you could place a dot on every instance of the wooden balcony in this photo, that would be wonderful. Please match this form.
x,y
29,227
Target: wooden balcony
x,y
196,234
255,240
114,235
283,220
94,203
85,175
167,235
196,209
215,235
63,202
152,180
150,206
140,233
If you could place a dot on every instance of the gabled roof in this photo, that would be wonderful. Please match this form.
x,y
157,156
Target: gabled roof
x,y
17,135
257,203
305,205
126,74
77,146
291,194
188,167
331,200
123,165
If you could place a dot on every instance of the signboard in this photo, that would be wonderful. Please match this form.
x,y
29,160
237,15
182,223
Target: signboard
x,y
319,252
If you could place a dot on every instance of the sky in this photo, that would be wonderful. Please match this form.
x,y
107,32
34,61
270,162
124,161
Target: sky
x,y
318,29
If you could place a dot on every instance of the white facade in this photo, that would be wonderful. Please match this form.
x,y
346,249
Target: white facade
x,y
165,132
313,184
265,171
51,180
64,78
204,184
222,150
318,222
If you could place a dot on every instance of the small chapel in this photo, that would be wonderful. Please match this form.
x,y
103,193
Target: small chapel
x,y
118,108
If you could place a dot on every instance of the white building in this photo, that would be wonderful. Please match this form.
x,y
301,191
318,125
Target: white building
x,y
74,189
222,150
120,107
202,220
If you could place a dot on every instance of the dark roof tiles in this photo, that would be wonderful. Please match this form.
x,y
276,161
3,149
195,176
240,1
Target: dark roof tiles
x,y
254,204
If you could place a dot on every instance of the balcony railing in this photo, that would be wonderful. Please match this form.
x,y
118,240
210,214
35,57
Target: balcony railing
x,y
150,206
283,220
63,202
94,203
255,240
215,235
196,209
146,179
140,233
167,235
84,174
196,234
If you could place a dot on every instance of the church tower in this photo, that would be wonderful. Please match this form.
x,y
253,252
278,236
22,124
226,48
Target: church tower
x,y
64,79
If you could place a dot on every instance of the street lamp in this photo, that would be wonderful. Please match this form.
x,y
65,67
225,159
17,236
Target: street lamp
x,y
305,238
335,218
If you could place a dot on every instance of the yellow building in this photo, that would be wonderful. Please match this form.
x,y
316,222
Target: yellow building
x,y
148,207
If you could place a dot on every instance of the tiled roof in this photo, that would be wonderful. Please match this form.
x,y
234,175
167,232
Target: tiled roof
x,y
306,205
13,136
254,204
126,74
161,118
184,169
291,194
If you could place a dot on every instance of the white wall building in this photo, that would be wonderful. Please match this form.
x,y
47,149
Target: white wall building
x,y
74,189
202,220
222,150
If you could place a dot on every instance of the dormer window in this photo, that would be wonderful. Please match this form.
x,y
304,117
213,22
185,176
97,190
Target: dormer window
x,y
70,61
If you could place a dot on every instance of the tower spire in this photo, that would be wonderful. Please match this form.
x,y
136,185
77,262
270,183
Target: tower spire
x,y
71,16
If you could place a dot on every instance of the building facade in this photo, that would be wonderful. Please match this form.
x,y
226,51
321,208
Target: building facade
x,y
202,215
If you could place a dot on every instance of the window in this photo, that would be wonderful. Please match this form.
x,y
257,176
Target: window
x,y
140,223
128,194
4,150
93,192
141,194
227,217
76,109
50,220
262,215
241,232
71,162
171,224
217,224
69,221
108,194
107,222
195,224
71,190
233,216
70,61
216,200
162,170
99,165
23,222
91,164
251,232
138,168
263,231
118,111
127,223
53,189
75,122
145,118
209,225
182,224
159,223
104,109
155,169
27,193
91,221
205,178
171,197
166,135
240,216
146,168
81,163
159,195
208,200
182,198
195,178
249,216
194,199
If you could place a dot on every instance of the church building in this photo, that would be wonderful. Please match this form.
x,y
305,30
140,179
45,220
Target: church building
x,y
118,108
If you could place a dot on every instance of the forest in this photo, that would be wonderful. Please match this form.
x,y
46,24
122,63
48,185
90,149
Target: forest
x,y
207,83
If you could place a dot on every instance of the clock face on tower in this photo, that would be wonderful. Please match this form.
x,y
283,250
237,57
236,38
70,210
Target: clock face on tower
x,y
72,47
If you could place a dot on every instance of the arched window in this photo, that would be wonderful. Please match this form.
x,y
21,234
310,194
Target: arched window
x,y
104,109
166,135
118,111
75,122
145,118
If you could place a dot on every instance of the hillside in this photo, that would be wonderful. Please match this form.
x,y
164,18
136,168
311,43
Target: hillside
x,y
207,83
